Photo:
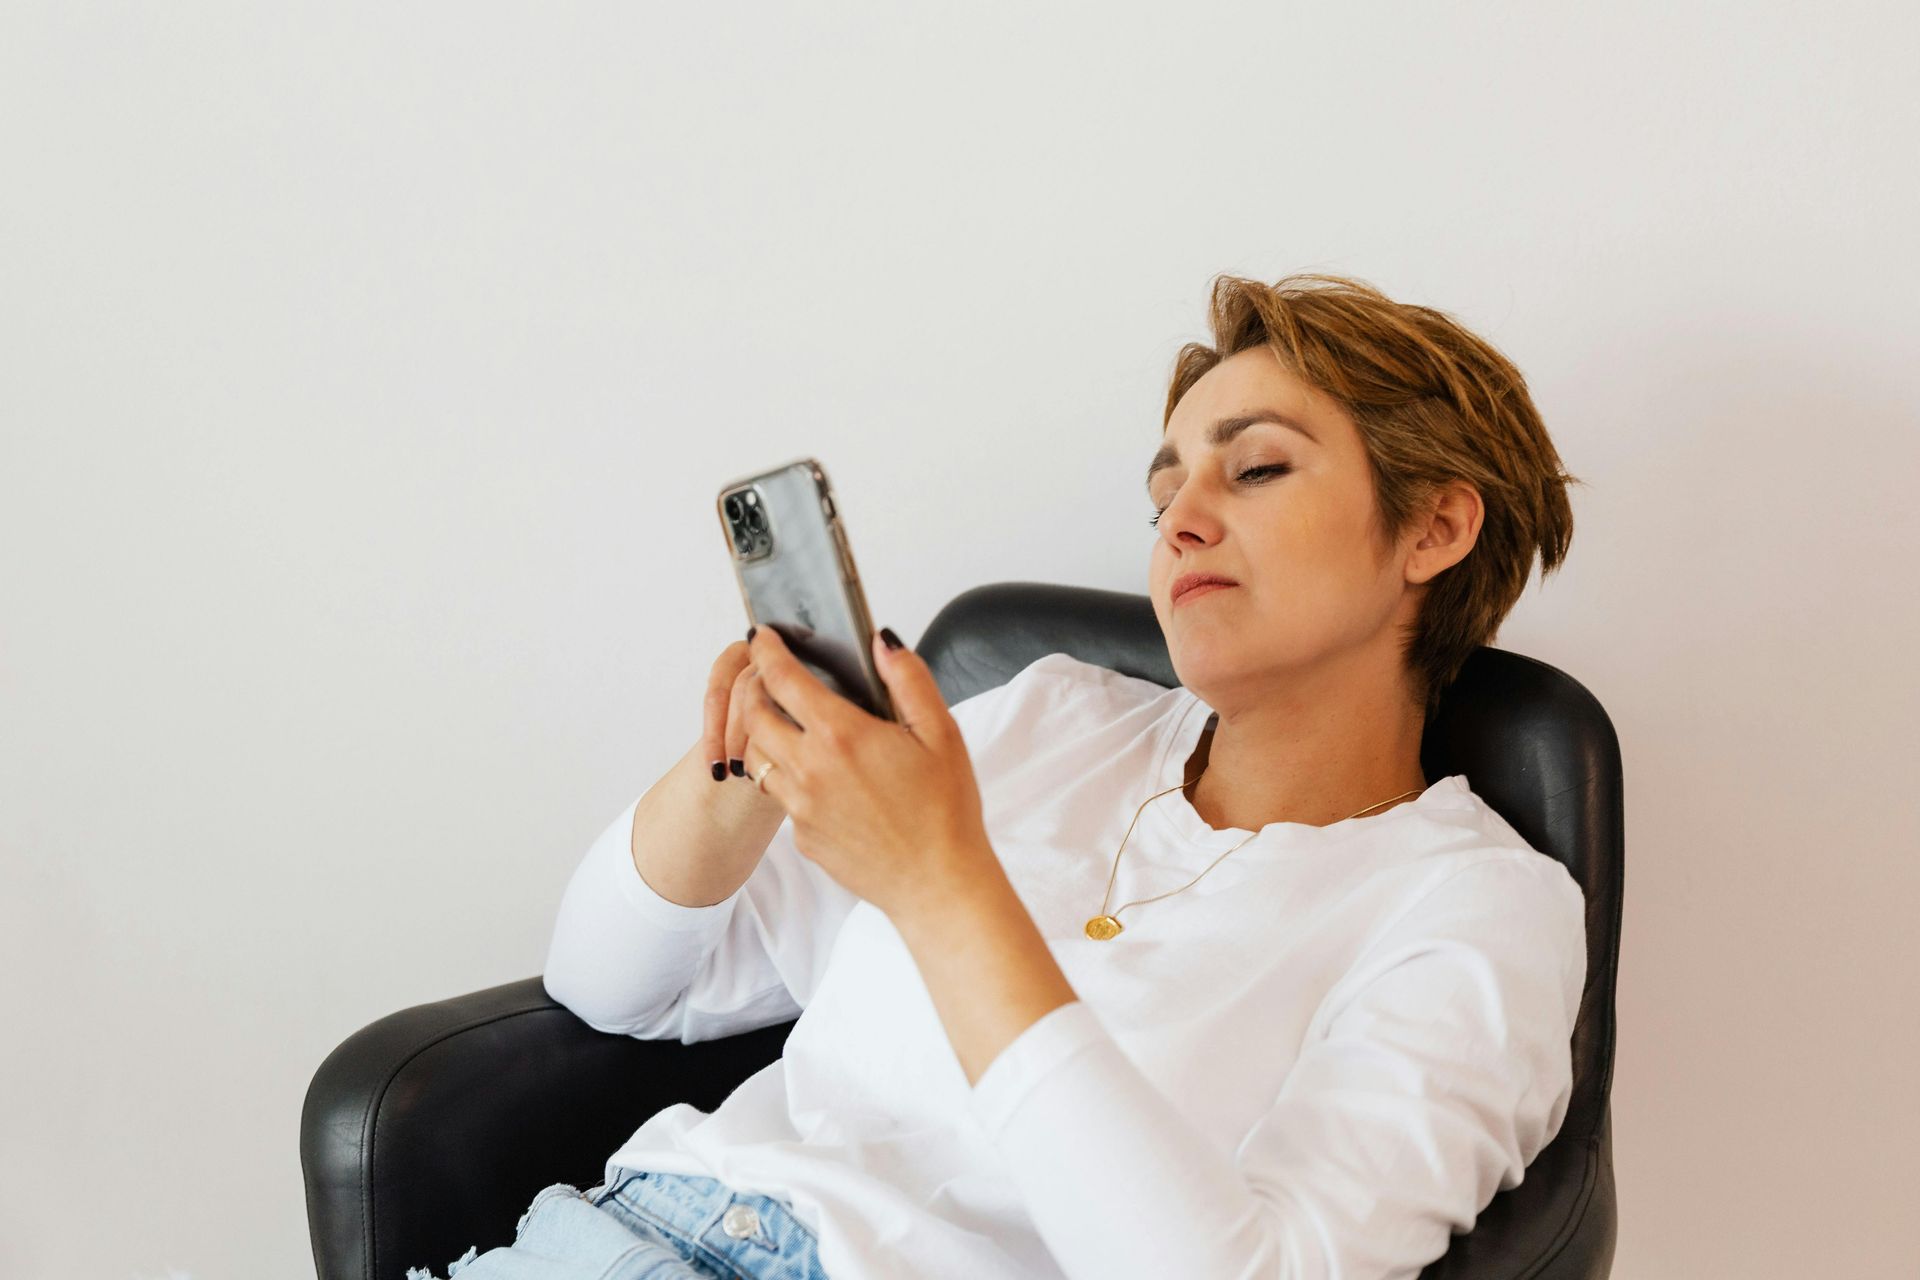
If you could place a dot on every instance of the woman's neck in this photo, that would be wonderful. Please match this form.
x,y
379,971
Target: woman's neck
x,y
1299,780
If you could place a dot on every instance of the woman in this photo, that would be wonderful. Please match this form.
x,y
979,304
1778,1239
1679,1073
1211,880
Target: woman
x,y
1100,978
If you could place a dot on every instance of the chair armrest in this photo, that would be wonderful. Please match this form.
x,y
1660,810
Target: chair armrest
x,y
431,1129
1560,1223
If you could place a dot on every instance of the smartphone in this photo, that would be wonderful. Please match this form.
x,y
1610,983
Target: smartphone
x,y
795,568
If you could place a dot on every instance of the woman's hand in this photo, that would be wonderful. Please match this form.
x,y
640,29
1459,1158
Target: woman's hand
x,y
723,735
891,811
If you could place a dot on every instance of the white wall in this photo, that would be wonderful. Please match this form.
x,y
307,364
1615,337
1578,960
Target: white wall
x,y
366,376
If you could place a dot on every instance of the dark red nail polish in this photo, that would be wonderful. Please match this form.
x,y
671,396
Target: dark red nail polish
x,y
750,631
719,771
891,640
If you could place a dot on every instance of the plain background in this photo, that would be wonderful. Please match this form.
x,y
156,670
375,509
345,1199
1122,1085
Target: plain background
x,y
368,372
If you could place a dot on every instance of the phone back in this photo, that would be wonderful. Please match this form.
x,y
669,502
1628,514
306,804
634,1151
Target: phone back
x,y
796,574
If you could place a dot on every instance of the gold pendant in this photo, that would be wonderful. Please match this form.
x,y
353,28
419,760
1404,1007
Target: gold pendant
x,y
1100,928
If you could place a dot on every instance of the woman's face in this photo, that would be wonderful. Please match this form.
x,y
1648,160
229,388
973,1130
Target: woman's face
x,y
1316,596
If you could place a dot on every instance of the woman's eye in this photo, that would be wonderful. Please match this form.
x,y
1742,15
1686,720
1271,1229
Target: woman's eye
x,y
1278,468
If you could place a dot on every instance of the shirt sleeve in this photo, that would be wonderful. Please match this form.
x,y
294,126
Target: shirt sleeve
x,y
625,959
1433,1073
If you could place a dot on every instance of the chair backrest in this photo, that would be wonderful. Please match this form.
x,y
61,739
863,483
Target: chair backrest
x,y
1532,741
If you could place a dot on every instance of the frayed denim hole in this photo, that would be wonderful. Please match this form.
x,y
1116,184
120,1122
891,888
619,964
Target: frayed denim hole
x,y
546,1194
426,1273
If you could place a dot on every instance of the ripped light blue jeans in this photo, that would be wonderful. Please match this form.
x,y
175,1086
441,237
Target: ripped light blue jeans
x,y
647,1225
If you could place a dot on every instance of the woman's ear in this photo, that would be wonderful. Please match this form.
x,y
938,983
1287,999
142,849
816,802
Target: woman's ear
x,y
1453,526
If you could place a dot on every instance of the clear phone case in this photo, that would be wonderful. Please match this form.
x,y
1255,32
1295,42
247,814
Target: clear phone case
x,y
796,573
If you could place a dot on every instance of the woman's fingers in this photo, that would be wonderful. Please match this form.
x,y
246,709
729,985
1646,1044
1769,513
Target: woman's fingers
x,y
717,713
736,733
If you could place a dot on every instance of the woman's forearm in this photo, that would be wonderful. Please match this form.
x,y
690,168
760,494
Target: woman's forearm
x,y
988,969
695,841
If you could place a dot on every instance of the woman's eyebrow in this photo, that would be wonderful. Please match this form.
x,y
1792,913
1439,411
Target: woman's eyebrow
x,y
1221,432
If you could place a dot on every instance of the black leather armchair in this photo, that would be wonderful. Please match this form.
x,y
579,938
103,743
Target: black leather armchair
x,y
431,1129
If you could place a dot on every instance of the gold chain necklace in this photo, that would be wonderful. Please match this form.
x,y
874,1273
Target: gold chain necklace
x,y
1104,926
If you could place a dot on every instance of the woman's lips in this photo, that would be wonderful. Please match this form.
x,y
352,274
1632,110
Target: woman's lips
x,y
1203,589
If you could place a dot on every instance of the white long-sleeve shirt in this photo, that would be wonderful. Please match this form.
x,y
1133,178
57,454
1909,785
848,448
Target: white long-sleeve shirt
x,y
1315,1063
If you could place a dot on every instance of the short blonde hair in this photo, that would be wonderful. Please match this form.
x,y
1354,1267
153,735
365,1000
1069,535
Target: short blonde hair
x,y
1434,403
